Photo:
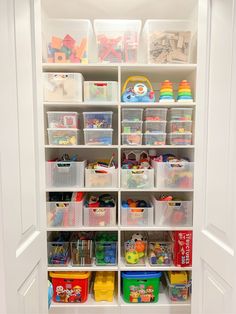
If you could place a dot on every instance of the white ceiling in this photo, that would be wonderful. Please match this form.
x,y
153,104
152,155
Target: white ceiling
x,y
126,9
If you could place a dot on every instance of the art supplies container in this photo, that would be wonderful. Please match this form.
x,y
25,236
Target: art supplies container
x,y
179,138
177,292
180,114
99,216
98,120
82,253
67,41
60,87
70,287
132,126
176,175
65,173
157,139
101,178
132,139
140,286
58,253
137,216
155,127
117,40
132,114
63,137
168,41
98,137
180,126
100,91
106,249
135,248
155,114
104,286
63,119
137,178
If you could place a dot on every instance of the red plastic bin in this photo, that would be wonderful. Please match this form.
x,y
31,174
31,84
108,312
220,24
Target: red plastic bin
x,y
70,287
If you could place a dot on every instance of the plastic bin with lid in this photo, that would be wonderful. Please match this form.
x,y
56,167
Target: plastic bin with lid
x,y
169,41
70,287
63,87
132,139
63,119
179,126
67,41
180,114
63,137
179,138
132,126
117,40
104,286
98,137
101,178
155,126
100,91
132,114
137,178
98,120
140,286
157,139
155,114
177,292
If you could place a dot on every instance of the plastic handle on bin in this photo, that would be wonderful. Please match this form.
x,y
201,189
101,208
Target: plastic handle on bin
x,y
138,171
135,79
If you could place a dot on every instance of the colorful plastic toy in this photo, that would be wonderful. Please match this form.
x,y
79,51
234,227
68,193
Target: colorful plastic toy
x,y
166,92
104,285
184,92
139,92
179,291
50,293
106,248
160,253
136,249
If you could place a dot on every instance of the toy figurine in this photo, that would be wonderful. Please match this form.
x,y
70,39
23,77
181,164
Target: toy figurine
x,y
139,92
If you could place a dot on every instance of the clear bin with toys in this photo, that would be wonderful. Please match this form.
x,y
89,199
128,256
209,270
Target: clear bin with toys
x,y
132,139
67,41
155,114
100,211
100,91
106,248
137,213
137,178
180,126
59,249
135,248
104,286
63,87
63,119
117,40
101,137
98,120
70,287
155,126
171,213
178,286
168,41
101,178
132,126
65,209
180,114
82,249
157,139
179,138
132,114
160,249
63,137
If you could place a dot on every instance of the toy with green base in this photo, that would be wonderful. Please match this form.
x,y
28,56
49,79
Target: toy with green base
x,y
141,286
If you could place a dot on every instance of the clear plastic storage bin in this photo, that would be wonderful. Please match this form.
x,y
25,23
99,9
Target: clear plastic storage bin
x,y
155,114
67,41
132,126
63,119
117,40
64,214
177,292
63,136
132,139
98,136
82,253
180,126
58,253
137,178
160,253
168,41
98,120
106,253
63,87
100,91
137,216
65,174
176,175
179,138
105,178
135,248
155,126
173,213
132,114
99,216
180,114
155,139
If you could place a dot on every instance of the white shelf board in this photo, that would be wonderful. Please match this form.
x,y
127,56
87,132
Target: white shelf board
x,y
83,228
153,228
74,104
156,190
77,188
156,147
81,146
83,268
158,105
78,67
89,303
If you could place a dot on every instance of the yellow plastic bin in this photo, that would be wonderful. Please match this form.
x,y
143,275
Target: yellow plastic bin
x,y
104,286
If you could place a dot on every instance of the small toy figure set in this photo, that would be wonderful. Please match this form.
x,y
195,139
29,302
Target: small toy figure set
x,y
67,50
160,253
106,248
136,250
139,91
178,285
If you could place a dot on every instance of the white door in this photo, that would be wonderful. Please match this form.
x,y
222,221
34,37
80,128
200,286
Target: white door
x,y
21,160
214,285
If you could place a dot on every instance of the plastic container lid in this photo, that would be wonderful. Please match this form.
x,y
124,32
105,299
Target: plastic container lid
x,y
98,130
65,112
63,129
97,112
141,274
70,274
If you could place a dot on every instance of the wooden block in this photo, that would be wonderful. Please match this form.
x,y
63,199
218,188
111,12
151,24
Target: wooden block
x,y
56,43
59,57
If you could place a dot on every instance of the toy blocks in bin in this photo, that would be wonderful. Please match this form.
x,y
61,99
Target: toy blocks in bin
x,y
135,248
117,40
178,286
100,91
101,137
179,138
137,178
104,286
98,120
155,127
160,249
156,139
140,286
180,114
182,253
65,209
59,249
172,213
132,126
136,213
106,248
60,87
70,287
155,114
67,41
102,178
63,137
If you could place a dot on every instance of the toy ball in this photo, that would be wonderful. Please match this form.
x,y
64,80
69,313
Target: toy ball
x,y
139,246
137,237
132,257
